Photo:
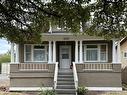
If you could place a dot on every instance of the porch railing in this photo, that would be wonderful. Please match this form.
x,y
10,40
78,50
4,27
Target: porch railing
x,y
97,66
75,76
32,67
55,75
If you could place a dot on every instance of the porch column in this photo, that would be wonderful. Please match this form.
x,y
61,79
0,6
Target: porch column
x,y
76,51
81,61
113,52
118,53
54,51
12,52
17,53
50,52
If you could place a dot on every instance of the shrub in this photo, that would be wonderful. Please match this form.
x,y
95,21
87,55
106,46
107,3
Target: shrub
x,y
47,92
81,90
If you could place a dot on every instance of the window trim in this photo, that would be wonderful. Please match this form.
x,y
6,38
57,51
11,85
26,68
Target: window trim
x,y
99,52
32,53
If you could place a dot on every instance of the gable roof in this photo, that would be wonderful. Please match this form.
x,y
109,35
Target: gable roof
x,y
123,40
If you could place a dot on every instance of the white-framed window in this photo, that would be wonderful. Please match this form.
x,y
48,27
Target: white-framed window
x,y
35,53
125,54
95,53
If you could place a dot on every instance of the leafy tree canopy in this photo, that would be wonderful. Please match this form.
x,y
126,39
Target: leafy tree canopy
x,y
24,20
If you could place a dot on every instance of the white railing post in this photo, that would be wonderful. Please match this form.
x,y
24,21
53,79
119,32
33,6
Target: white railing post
x,y
55,75
75,76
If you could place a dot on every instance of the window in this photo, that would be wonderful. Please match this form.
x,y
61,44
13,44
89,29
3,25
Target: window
x,y
91,53
95,53
125,55
28,53
35,53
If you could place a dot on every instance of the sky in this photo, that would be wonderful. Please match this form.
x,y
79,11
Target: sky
x,y
4,46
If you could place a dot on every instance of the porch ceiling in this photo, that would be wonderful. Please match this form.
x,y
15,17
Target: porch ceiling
x,y
67,37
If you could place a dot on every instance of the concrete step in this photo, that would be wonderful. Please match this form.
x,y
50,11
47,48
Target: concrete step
x,y
65,83
65,76
65,73
65,79
65,87
65,91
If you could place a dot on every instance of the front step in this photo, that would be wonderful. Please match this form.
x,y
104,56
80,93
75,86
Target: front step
x,y
65,79
66,87
65,83
65,76
65,91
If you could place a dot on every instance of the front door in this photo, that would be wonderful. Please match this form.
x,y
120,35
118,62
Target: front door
x,y
65,56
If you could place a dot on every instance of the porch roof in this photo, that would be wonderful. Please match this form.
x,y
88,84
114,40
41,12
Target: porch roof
x,y
68,37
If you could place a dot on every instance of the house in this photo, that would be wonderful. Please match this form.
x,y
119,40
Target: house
x,y
65,58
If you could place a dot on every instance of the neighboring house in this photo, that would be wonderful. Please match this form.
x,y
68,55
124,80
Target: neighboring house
x,y
96,63
123,45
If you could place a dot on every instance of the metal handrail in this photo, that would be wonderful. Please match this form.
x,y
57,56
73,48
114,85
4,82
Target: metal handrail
x,y
75,76
55,75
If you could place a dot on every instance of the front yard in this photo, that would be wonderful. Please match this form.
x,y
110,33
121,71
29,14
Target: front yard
x,y
89,93
4,84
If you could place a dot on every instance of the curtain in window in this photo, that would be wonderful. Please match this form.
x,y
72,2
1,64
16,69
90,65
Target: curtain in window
x,y
91,55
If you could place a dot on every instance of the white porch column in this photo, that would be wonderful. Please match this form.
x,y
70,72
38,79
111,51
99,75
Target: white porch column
x,y
17,53
118,53
50,52
12,52
54,51
76,51
113,52
81,61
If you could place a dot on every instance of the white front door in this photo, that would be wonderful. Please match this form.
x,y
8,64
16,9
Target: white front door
x,y
65,56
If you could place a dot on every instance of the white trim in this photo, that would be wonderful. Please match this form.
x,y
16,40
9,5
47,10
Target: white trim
x,y
29,88
104,88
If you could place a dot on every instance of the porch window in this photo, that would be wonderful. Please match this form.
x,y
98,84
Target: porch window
x,y
95,53
35,53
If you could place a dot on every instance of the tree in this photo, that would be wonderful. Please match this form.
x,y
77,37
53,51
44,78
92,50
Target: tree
x,y
110,18
24,20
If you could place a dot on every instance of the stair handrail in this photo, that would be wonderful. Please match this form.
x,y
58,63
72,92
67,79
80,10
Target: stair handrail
x,y
55,75
75,76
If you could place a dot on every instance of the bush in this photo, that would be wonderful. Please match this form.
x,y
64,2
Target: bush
x,y
47,92
81,90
